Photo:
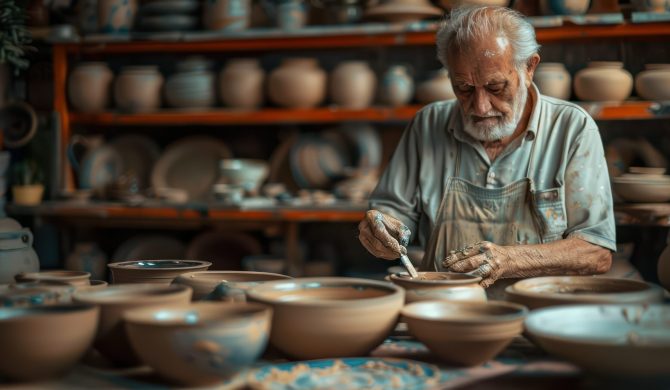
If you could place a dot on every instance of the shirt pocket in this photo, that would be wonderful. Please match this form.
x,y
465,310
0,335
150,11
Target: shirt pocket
x,y
551,213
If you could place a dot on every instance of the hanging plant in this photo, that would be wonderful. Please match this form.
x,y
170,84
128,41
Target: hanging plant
x,y
15,38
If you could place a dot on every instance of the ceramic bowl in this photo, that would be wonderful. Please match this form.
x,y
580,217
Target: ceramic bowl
x,y
74,278
451,286
465,333
224,285
201,343
27,296
245,172
329,317
111,340
644,190
42,342
564,290
616,340
655,171
153,271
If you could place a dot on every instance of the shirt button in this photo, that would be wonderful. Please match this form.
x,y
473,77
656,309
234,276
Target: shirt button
x,y
492,175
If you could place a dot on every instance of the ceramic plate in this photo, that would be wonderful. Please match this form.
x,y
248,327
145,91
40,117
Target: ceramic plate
x,y
346,374
139,153
100,168
149,247
223,248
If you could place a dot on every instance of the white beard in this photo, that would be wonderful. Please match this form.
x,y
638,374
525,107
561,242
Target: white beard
x,y
483,132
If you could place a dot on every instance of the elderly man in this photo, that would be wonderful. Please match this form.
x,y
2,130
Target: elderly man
x,y
502,182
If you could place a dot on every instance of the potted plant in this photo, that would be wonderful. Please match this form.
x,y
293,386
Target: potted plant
x,y
27,183
14,42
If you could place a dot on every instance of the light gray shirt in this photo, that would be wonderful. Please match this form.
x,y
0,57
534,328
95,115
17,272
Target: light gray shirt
x,y
570,159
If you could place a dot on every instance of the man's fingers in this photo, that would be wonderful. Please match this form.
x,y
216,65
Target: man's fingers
x,y
379,230
456,256
469,264
377,247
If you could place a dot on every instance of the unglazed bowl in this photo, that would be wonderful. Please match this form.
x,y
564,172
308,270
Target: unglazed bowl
x,y
200,343
329,317
224,285
464,333
154,271
111,339
44,341
450,286
74,278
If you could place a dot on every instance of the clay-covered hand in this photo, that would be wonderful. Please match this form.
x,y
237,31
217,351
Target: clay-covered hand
x,y
383,236
485,259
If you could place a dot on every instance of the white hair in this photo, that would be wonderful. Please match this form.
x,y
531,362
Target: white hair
x,y
470,23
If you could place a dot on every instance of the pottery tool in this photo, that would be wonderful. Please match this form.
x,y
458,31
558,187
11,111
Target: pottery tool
x,y
408,264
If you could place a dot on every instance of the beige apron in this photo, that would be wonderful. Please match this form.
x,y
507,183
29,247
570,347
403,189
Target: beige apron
x,y
511,215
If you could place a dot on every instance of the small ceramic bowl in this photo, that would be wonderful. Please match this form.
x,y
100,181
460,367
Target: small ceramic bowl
x,y
201,343
450,286
74,278
465,333
44,341
154,271
224,285
654,171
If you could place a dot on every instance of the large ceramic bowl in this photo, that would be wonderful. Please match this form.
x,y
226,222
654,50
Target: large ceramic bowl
x,y
45,341
224,285
465,333
329,317
111,340
153,271
201,343
608,339
564,290
451,286
74,278
645,189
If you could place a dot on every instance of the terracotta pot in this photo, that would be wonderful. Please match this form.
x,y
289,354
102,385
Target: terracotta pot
x,y
603,81
654,82
663,268
224,285
45,341
651,5
226,15
297,83
192,86
437,87
241,83
552,79
448,286
201,343
564,7
116,16
154,271
88,86
111,339
28,195
352,85
73,278
138,89
397,86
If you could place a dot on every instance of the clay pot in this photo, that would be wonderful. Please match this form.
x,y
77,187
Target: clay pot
x,y
201,343
46,341
116,16
111,340
448,286
337,316
603,81
241,83
663,268
564,7
192,86
465,333
297,83
73,278
437,87
352,85
88,86
651,5
138,89
153,271
552,79
397,86
226,15
28,195
654,82
224,285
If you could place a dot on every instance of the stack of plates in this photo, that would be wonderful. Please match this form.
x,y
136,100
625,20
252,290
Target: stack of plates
x,y
169,15
646,187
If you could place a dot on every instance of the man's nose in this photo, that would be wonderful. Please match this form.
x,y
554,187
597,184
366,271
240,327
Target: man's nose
x,y
482,103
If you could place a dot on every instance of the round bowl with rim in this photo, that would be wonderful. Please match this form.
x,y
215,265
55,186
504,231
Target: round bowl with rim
x,y
451,286
615,340
329,317
74,278
654,171
200,343
642,188
111,339
465,333
44,341
154,271
224,285
247,173
546,291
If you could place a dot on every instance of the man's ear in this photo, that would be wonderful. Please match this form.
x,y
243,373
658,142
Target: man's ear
x,y
531,65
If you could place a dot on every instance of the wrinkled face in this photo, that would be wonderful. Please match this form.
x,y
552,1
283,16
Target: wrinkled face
x,y
492,93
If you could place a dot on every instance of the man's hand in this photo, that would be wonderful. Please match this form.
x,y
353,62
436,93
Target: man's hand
x,y
383,236
485,259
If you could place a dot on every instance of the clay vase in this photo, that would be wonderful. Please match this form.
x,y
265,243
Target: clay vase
x,y
297,83
552,79
352,85
138,89
241,83
116,16
447,286
192,86
397,86
651,5
664,268
564,7
603,81
654,82
226,15
88,86
437,87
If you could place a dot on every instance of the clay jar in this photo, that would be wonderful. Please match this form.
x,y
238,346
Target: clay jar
x,y
88,86
654,82
192,86
297,83
553,80
241,83
448,286
651,5
397,86
603,81
352,85
564,7
226,15
138,89
437,87
116,16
